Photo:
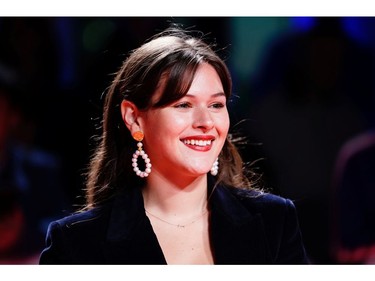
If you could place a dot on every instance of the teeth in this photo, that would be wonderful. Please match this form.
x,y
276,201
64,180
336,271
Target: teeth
x,y
198,142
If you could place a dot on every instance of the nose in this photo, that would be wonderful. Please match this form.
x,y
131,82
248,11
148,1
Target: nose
x,y
203,119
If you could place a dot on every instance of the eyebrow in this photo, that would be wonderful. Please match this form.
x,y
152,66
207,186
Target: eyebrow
x,y
213,95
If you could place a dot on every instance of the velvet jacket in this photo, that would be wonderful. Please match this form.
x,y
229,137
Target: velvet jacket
x,y
246,227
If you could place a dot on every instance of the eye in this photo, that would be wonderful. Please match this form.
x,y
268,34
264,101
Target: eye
x,y
217,105
182,105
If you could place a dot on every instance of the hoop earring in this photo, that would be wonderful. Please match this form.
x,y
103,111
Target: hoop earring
x,y
138,136
215,167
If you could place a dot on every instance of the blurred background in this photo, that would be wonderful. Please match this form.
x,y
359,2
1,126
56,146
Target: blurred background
x,y
303,98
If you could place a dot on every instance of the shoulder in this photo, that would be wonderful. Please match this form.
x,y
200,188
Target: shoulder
x,y
241,204
273,217
82,221
74,238
90,224
259,200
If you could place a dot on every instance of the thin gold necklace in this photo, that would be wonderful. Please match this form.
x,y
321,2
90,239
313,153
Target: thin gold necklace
x,y
178,225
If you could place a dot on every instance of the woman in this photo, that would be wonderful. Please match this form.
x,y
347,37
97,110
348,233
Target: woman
x,y
182,196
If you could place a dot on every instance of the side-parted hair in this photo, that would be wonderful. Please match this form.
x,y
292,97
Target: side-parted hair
x,y
173,57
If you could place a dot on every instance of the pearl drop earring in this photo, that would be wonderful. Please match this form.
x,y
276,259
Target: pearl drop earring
x,y
138,136
215,167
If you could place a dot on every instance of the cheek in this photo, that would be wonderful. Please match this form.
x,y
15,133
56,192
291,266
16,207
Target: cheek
x,y
163,125
223,124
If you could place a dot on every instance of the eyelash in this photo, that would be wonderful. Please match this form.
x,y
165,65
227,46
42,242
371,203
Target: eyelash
x,y
188,105
183,105
218,105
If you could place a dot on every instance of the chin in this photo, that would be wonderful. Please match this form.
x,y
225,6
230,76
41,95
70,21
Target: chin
x,y
199,173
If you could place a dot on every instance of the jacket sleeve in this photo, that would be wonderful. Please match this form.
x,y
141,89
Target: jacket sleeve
x,y
56,251
291,247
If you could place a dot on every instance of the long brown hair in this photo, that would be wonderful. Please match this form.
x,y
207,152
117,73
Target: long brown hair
x,y
173,55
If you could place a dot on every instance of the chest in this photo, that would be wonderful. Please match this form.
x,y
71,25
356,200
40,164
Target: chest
x,y
189,244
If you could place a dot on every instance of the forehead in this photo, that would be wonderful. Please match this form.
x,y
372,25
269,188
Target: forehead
x,y
175,83
206,78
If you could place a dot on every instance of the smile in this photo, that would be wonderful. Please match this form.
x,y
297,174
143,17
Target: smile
x,y
198,142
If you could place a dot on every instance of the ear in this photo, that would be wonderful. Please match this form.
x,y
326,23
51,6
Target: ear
x,y
129,113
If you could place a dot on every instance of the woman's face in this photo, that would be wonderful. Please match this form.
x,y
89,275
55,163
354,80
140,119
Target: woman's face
x,y
186,137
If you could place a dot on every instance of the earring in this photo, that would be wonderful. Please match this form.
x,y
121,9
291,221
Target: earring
x,y
138,136
215,167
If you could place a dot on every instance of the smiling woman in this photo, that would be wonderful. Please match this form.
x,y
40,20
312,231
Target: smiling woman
x,y
190,202
189,133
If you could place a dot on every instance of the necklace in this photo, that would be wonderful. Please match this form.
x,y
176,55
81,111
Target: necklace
x,y
178,225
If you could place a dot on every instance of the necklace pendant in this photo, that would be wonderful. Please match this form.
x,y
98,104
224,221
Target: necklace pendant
x,y
180,226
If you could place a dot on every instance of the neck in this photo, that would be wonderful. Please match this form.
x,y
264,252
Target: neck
x,y
184,199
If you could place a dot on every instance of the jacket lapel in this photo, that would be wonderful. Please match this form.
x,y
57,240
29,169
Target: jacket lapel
x,y
130,237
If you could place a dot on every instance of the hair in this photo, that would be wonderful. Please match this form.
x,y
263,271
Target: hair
x,y
173,55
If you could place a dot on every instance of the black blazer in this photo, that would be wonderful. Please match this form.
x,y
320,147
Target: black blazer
x,y
246,227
